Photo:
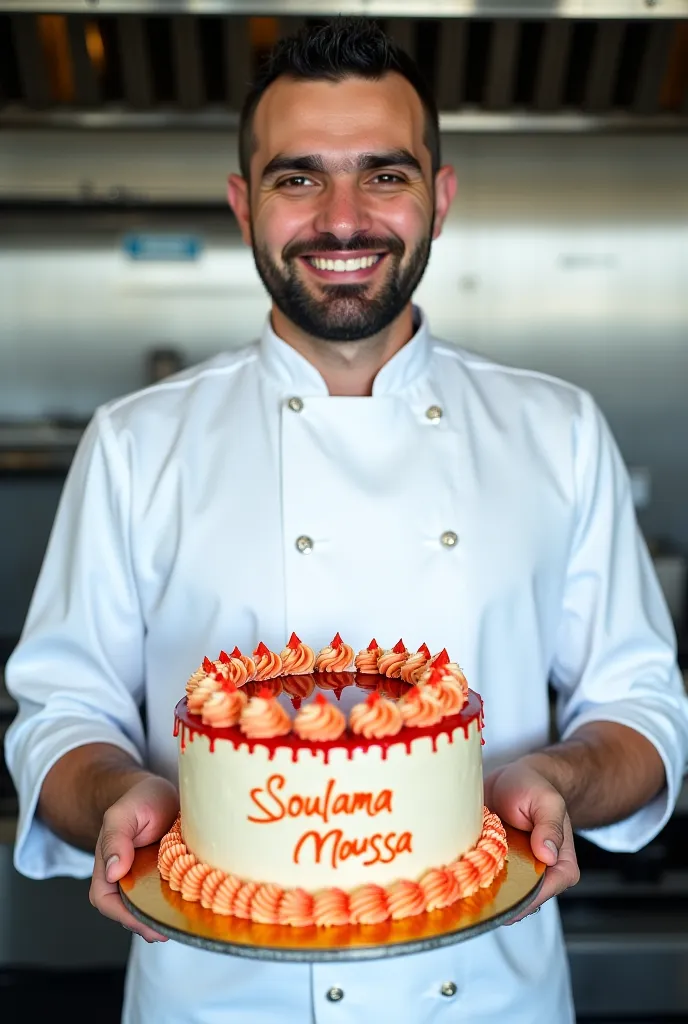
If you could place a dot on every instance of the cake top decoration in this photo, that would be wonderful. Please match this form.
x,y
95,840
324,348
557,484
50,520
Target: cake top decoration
x,y
293,642
373,645
224,657
399,647
261,649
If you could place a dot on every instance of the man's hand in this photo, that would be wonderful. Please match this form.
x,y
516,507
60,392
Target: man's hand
x,y
525,799
141,816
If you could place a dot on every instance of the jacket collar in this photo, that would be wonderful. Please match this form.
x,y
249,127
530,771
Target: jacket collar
x,y
299,377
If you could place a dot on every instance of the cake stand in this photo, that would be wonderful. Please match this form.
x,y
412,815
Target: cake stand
x,y
151,900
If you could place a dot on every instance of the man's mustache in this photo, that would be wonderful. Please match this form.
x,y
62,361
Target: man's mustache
x,y
330,243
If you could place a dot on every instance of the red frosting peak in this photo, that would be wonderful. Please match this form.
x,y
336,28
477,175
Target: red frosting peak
x,y
336,642
372,698
266,693
224,658
399,648
294,642
441,659
321,699
373,645
228,686
262,650
424,649
435,676
208,665
218,677
236,653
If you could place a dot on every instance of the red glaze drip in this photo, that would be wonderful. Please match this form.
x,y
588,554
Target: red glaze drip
x,y
296,703
424,649
336,642
192,724
399,647
441,659
294,642
208,665
373,645
262,650
224,657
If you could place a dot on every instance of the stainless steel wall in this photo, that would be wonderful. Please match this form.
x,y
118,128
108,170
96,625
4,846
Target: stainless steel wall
x,y
566,253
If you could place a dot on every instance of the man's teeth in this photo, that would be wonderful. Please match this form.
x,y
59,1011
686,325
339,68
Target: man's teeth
x,y
361,263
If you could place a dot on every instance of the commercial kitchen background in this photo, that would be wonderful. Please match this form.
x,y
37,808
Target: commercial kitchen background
x,y
566,251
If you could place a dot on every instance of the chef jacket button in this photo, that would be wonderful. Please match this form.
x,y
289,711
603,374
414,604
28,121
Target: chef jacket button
x,y
304,545
295,404
448,989
449,539
434,413
335,994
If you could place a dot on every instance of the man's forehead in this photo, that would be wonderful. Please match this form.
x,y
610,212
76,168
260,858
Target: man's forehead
x,y
347,117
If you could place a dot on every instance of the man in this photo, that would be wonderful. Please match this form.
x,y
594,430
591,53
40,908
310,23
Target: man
x,y
348,472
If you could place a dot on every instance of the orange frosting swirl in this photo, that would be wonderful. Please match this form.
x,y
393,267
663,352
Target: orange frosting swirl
x,y
192,882
223,709
195,679
210,885
319,721
374,719
264,718
296,908
368,905
297,660
183,863
223,898
267,665
366,661
467,876
420,708
335,659
265,904
330,908
449,693
244,900
413,667
496,850
440,887
405,899
485,864
390,663
168,857
197,698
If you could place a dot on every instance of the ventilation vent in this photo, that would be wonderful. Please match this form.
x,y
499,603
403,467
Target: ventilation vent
x,y
124,66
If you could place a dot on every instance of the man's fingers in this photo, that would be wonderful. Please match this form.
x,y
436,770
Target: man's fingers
x,y
104,894
547,837
561,875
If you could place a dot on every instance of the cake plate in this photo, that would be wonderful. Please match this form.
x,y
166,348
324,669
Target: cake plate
x,y
151,900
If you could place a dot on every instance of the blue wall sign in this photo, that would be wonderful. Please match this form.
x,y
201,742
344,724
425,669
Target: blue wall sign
x,y
162,247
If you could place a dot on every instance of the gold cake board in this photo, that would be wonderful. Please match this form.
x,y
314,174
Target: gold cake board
x,y
151,900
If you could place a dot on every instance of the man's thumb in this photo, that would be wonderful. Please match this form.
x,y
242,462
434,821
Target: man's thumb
x,y
548,834
117,843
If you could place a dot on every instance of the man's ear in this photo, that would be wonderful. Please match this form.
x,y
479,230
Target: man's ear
x,y
445,190
237,197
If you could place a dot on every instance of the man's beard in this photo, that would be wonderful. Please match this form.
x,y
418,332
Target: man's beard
x,y
343,312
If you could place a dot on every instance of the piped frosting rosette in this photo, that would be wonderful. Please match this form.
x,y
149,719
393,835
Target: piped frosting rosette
x,y
264,718
337,657
366,661
390,663
267,663
319,721
297,657
269,903
415,664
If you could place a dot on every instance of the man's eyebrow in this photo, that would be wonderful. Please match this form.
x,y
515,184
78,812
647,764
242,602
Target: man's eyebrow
x,y
363,162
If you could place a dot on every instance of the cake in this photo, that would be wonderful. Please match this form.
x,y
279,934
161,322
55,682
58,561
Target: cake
x,y
331,788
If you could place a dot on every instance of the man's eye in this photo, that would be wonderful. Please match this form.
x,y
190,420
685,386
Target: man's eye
x,y
295,181
388,178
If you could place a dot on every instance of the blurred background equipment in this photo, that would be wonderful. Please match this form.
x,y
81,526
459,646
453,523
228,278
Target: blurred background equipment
x,y
566,251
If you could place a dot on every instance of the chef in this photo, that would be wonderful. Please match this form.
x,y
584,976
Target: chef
x,y
347,472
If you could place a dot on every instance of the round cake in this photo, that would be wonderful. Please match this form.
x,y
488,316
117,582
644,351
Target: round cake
x,y
330,788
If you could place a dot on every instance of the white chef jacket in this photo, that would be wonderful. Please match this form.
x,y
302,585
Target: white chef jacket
x,y
176,537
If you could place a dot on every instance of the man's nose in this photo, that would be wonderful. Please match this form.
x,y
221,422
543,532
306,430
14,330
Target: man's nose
x,y
343,211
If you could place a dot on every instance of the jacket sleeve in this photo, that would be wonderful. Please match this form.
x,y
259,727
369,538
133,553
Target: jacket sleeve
x,y
77,673
615,655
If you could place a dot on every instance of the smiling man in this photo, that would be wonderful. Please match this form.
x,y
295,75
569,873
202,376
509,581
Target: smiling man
x,y
436,494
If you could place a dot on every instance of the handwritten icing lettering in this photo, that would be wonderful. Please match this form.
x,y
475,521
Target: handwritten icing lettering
x,y
376,848
271,803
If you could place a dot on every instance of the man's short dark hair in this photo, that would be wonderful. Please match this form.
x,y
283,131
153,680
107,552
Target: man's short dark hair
x,y
344,47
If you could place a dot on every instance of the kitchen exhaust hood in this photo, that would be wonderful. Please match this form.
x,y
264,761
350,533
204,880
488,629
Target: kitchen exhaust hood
x,y
539,65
